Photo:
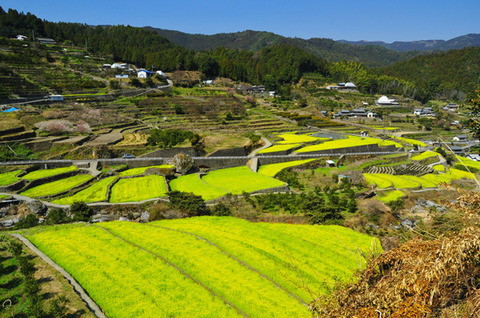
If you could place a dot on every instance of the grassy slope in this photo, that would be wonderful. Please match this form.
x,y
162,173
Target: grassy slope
x,y
138,189
239,179
277,148
392,196
56,187
192,183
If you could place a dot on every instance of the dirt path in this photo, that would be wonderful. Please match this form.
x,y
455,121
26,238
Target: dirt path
x,y
178,269
76,286
267,144
303,302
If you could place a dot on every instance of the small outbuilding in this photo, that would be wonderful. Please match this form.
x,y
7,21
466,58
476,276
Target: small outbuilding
x,y
144,73
330,163
385,101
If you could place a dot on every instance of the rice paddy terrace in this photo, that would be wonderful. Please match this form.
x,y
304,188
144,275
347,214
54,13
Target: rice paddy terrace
x,y
204,266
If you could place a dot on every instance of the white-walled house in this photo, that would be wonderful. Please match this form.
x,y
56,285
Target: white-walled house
x,y
21,37
385,101
144,73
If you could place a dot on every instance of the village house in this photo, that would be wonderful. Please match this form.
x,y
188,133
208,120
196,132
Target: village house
x,y
46,41
426,111
21,37
385,101
451,107
144,73
348,87
460,138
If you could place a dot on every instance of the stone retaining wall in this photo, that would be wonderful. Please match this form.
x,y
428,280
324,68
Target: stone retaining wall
x,y
170,153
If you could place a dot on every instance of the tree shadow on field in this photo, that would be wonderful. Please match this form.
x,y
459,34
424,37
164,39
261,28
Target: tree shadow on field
x,y
13,283
10,269
79,313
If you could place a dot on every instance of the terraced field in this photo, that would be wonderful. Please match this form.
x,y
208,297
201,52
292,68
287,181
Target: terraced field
x,y
410,141
392,196
239,179
351,141
141,170
424,155
278,148
193,184
292,138
272,169
9,177
138,189
44,173
56,187
95,193
178,267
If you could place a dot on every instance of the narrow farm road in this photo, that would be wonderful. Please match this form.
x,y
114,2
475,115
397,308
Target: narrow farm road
x,y
91,304
267,144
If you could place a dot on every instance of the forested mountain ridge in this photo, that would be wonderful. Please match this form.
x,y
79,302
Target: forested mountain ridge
x,y
443,74
333,51
459,42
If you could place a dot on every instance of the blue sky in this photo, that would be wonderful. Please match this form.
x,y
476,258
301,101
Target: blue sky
x,y
386,20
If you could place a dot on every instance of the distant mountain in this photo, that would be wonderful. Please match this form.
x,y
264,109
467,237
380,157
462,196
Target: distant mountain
x,y
369,55
426,45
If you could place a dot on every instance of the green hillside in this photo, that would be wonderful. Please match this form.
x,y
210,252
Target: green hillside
x,y
222,267
333,51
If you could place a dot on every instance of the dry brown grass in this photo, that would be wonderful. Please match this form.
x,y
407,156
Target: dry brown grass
x,y
435,277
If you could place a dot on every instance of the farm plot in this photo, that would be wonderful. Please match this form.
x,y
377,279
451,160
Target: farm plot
x,y
272,169
141,170
246,289
397,181
9,177
392,196
278,148
138,189
56,187
292,138
124,280
43,173
192,183
95,193
290,255
239,179
410,141
351,141
376,178
425,155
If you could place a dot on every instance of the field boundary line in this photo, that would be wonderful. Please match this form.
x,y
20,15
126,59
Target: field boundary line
x,y
178,269
91,304
303,302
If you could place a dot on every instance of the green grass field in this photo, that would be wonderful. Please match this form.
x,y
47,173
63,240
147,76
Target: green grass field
x,y
424,155
392,196
96,192
141,170
56,187
277,148
192,183
9,177
138,189
272,169
239,179
43,173
351,141
261,269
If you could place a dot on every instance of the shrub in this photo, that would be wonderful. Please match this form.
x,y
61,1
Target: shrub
x,y
290,177
29,221
57,216
81,211
221,210
189,203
